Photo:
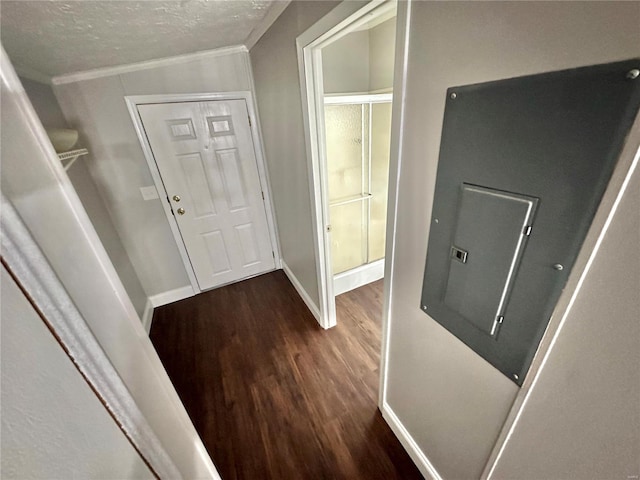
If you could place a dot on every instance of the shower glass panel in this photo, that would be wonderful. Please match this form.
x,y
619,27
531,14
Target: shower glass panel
x,y
348,236
357,136
380,148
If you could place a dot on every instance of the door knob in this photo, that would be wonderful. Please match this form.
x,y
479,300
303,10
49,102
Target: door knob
x,y
176,198
181,211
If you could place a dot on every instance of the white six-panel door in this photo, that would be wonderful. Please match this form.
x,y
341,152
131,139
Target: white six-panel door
x,y
204,152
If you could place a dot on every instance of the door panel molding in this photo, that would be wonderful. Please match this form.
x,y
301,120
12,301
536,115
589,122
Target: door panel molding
x,y
228,164
133,101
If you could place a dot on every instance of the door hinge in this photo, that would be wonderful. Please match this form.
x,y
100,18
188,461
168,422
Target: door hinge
x,y
249,120
496,323
273,254
527,230
262,195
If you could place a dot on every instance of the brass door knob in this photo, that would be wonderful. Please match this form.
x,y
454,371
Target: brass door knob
x,y
181,211
176,198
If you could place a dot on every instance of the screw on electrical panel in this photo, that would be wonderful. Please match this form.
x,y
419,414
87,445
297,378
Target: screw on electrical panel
x,y
633,74
424,307
453,95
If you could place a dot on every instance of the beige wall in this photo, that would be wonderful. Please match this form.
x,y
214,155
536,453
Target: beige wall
x,y
46,106
345,64
89,195
451,401
96,107
53,425
582,419
362,61
275,70
382,42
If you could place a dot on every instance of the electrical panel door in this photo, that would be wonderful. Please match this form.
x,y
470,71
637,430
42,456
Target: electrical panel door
x,y
490,236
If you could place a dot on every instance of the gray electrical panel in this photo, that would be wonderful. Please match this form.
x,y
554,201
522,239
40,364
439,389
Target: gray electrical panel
x,y
523,165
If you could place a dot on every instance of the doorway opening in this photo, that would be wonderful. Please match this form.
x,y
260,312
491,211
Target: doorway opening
x,y
357,130
347,73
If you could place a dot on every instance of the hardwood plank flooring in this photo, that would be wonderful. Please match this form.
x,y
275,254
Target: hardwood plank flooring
x,y
273,395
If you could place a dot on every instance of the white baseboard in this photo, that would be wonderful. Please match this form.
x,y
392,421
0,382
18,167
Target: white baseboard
x,y
301,291
163,298
171,296
409,444
147,316
357,277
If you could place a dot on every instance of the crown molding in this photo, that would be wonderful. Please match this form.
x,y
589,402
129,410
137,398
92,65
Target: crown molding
x,y
134,67
269,19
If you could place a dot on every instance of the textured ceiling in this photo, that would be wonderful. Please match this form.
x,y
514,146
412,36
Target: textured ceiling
x,y
57,37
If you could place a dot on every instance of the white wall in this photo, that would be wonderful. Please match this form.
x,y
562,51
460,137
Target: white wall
x,y
275,69
34,182
53,425
46,106
96,107
451,401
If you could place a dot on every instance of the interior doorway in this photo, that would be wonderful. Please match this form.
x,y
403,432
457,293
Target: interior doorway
x,y
347,72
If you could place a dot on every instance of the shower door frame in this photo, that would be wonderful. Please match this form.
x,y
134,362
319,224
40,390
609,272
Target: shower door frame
x,y
371,270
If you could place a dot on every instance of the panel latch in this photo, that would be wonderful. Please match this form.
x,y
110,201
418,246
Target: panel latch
x,y
459,254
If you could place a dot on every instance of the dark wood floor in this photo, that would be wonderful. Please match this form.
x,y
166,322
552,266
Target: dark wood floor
x,y
273,395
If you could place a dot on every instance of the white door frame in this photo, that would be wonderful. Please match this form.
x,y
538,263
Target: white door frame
x,y
343,19
132,105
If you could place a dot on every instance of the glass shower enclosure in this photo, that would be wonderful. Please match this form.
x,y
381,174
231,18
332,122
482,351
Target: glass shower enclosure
x,y
357,130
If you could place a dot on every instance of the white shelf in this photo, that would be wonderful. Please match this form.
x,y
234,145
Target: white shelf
x,y
68,158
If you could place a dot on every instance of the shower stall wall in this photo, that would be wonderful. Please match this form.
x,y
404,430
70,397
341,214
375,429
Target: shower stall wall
x,y
357,151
